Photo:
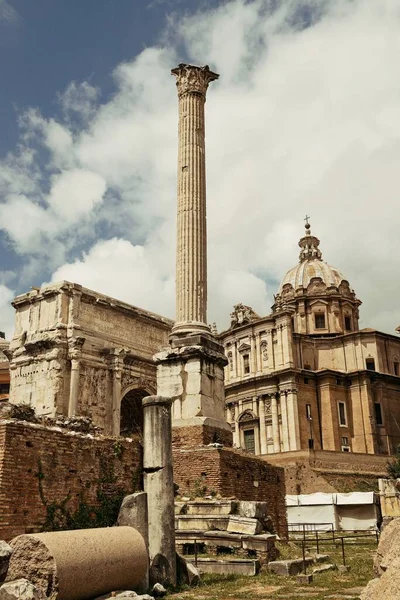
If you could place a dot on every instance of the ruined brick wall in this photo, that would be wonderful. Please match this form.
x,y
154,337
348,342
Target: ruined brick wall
x,y
68,467
231,473
202,435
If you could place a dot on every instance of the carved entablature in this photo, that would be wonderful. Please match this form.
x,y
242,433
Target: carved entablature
x,y
193,80
242,315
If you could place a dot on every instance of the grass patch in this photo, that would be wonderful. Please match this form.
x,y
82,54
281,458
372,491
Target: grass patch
x,y
266,586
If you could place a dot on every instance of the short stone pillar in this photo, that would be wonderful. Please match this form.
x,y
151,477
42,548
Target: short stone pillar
x,y
159,486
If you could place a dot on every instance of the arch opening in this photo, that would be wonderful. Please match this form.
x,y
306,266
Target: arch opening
x,y
131,422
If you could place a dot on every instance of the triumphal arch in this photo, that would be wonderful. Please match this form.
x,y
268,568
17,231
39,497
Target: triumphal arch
x,y
78,352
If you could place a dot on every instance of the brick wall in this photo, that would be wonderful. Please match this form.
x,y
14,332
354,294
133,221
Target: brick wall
x,y
70,466
307,472
230,473
202,435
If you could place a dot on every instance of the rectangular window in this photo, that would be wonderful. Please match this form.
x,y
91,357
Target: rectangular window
x,y
345,441
308,411
345,449
246,363
347,323
396,367
319,321
249,442
342,414
378,413
370,363
305,380
4,388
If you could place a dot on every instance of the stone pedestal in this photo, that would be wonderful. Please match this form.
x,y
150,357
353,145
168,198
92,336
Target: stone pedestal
x,y
191,372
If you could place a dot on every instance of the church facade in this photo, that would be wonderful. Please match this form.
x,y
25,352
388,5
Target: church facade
x,y
305,376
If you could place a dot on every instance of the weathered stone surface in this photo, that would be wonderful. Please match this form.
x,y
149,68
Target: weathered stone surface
x,y
288,567
212,507
323,568
82,563
388,547
201,522
54,368
253,510
229,567
5,554
21,589
386,566
158,590
159,486
244,525
187,574
133,513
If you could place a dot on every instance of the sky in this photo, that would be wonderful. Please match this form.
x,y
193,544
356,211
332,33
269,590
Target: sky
x,y
305,119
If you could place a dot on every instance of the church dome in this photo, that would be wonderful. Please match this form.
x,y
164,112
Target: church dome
x,y
318,296
302,274
311,266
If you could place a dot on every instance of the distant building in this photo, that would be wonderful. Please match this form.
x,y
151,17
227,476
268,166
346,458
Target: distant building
x,y
305,376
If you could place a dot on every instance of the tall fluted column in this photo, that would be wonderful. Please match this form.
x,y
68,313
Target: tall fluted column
x,y
191,258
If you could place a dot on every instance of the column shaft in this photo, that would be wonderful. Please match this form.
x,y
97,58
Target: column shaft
x,y
73,388
191,255
275,425
263,429
159,486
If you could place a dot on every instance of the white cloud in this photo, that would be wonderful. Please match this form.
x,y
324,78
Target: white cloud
x,y
118,268
302,120
6,311
8,13
74,193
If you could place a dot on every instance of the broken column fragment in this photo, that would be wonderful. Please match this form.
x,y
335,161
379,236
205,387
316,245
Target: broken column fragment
x,y
159,486
81,564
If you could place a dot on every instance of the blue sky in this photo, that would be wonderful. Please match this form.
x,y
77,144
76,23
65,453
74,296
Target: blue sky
x,y
304,119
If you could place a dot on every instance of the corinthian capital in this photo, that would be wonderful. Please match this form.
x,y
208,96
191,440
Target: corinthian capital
x,y
193,80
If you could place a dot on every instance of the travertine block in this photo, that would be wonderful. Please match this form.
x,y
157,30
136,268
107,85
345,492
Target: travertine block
x,y
244,525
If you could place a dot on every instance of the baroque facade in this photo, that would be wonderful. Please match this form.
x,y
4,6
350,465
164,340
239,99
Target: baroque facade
x,y
78,352
305,376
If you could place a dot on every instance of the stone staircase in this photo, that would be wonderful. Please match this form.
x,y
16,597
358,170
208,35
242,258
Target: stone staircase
x,y
225,527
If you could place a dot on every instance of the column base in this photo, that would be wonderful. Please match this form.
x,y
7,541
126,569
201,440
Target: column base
x,y
200,431
191,372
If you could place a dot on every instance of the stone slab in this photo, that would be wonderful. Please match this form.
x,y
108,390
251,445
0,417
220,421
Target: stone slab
x,y
253,509
244,525
324,568
289,567
211,507
201,522
228,567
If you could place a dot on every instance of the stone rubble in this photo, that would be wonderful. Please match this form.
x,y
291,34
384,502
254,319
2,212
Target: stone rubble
x,y
5,555
21,589
386,566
